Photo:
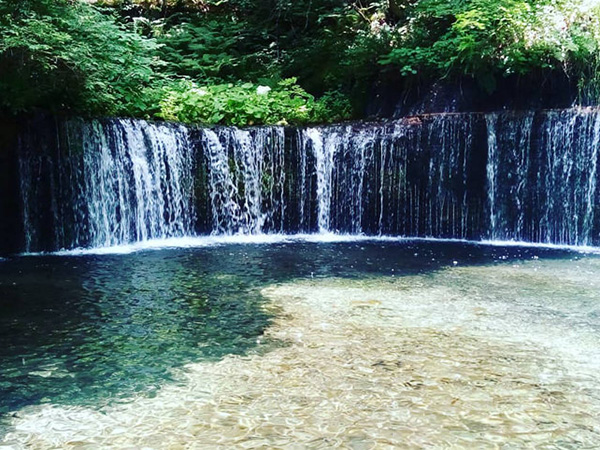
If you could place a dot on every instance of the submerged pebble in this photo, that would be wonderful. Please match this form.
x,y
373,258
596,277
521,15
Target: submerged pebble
x,y
461,358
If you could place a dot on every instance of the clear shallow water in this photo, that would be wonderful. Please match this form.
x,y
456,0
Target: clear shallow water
x,y
353,344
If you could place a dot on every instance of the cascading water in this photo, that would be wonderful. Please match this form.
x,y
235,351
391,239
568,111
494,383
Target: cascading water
x,y
568,178
223,191
246,179
542,176
408,177
107,183
323,152
503,176
137,187
492,170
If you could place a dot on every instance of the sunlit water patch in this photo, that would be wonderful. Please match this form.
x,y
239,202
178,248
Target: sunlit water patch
x,y
369,345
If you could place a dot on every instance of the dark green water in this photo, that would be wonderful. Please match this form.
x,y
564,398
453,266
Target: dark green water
x,y
96,329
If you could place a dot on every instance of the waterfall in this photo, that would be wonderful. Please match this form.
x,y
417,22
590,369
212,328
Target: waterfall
x,y
568,181
138,186
406,177
492,170
509,152
324,152
246,179
523,176
542,176
226,214
108,183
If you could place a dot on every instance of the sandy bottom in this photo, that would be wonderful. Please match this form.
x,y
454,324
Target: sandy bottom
x,y
479,357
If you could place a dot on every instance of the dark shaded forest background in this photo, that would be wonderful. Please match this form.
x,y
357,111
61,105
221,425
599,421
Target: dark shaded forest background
x,y
247,62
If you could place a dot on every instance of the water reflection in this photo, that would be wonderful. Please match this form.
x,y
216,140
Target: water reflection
x,y
89,330
83,329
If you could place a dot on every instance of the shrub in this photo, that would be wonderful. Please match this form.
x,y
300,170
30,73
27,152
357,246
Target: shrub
x,y
237,104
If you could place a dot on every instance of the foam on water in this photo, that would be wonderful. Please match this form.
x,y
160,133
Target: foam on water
x,y
268,239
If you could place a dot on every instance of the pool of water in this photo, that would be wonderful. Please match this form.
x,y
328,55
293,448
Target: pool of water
x,y
355,344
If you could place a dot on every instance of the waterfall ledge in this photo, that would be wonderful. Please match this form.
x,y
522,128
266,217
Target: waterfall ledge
x,y
524,176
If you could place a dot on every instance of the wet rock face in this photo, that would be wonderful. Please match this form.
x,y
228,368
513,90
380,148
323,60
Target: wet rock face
x,y
526,176
393,96
10,225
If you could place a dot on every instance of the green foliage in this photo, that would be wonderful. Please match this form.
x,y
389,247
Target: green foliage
x,y
204,50
242,104
203,60
186,65
486,39
333,106
60,54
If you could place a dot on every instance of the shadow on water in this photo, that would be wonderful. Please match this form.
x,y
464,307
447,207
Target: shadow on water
x,y
95,329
